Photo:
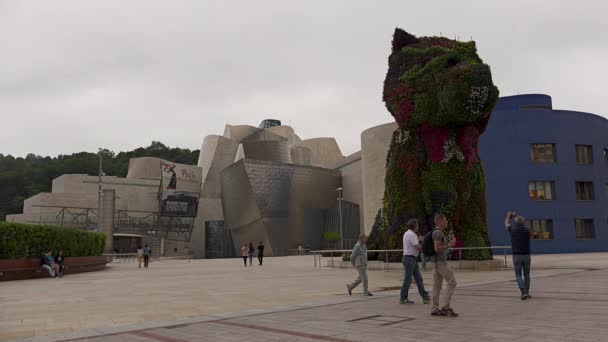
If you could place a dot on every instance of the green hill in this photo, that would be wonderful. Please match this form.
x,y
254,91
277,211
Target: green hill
x,y
21,178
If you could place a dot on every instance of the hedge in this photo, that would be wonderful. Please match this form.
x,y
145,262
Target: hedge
x,y
19,240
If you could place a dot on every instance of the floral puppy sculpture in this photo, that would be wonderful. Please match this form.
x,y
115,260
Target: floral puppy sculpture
x,y
441,95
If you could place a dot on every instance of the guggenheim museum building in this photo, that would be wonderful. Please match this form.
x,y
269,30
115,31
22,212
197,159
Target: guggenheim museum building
x,y
267,184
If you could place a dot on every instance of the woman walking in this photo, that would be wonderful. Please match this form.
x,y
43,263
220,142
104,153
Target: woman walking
x,y
250,251
244,253
261,252
140,255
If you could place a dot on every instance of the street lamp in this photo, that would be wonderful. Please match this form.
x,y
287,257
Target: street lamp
x,y
100,152
339,190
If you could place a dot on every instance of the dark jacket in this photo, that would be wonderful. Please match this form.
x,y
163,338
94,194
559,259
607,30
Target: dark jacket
x,y
59,259
44,260
520,239
261,248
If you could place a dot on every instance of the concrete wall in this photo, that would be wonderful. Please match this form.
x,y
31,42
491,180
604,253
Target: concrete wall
x,y
352,185
375,143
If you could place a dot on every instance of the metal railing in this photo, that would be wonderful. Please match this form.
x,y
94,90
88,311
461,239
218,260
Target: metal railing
x,y
121,257
339,252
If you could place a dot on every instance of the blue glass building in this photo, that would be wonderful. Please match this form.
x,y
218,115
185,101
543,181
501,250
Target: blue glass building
x,y
550,166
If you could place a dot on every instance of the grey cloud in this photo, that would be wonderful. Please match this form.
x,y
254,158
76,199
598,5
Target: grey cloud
x,y
76,75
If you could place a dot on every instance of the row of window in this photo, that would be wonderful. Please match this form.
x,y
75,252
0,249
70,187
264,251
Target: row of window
x,y
545,191
546,153
543,229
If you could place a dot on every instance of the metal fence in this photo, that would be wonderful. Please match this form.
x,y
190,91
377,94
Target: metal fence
x,y
318,254
120,258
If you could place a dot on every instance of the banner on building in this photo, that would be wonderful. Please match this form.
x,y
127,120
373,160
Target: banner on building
x,y
180,189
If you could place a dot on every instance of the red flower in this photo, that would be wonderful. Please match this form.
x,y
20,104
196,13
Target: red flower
x,y
467,139
405,107
434,138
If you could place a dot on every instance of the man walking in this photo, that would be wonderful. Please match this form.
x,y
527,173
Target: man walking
x,y
441,270
358,259
411,249
261,253
520,247
147,253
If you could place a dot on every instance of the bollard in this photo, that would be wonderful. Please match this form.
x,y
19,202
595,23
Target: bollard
x,y
332,260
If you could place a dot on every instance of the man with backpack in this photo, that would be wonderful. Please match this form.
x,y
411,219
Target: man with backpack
x,y
147,254
436,245
411,249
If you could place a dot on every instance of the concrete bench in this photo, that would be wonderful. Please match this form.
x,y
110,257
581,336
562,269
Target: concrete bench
x,y
15,269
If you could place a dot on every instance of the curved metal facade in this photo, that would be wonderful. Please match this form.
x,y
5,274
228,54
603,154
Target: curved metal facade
x,y
505,150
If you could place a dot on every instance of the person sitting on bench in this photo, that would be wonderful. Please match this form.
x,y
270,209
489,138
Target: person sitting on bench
x,y
47,262
59,260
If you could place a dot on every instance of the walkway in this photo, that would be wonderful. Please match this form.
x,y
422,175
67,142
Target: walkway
x,y
568,305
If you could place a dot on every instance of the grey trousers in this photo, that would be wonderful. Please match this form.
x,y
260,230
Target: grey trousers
x,y
361,278
440,272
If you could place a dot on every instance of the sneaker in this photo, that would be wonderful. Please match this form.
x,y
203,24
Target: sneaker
x,y
523,296
406,301
449,312
437,312
526,296
350,291
367,294
426,301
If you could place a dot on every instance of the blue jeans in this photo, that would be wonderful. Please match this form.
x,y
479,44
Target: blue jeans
x,y
521,264
410,264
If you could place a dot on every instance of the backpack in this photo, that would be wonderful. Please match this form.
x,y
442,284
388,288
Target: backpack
x,y
428,245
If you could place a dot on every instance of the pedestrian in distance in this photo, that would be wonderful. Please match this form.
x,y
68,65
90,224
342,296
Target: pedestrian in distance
x,y
358,259
60,261
250,252
147,254
244,253
436,245
261,253
140,255
411,249
520,247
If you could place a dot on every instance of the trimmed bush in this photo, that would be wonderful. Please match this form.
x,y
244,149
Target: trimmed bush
x,y
19,240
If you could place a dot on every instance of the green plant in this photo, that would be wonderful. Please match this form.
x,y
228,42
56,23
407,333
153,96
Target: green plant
x,y
19,240
331,236
441,95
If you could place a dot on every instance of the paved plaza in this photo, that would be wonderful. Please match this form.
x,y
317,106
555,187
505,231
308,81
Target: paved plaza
x,y
288,300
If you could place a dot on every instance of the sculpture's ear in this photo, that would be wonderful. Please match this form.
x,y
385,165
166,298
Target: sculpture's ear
x,y
402,38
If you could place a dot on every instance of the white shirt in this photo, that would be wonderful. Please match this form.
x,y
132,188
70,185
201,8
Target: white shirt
x,y
410,240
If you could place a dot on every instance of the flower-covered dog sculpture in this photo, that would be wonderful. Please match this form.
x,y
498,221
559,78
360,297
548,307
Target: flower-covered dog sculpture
x,y
441,95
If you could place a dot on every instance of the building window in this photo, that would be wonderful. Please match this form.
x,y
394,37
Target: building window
x,y
541,229
584,154
584,191
541,191
543,153
585,229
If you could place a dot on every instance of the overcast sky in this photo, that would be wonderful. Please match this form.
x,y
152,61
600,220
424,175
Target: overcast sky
x,y
77,75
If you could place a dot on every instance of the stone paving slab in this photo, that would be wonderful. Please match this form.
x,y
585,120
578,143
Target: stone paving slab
x,y
176,292
568,307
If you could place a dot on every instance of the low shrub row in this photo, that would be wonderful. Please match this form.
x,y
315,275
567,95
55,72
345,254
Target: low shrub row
x,y
19,240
